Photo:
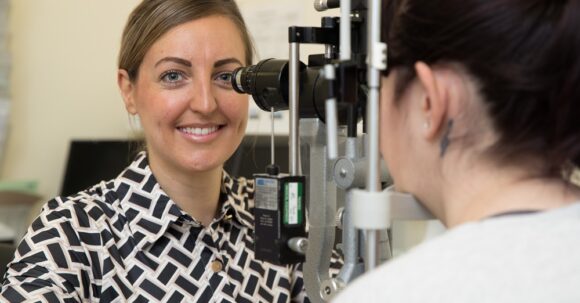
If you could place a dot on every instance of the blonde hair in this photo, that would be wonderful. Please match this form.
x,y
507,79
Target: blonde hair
x,y
153,18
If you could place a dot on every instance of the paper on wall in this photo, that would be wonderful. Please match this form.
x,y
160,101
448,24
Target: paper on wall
x,y
268,24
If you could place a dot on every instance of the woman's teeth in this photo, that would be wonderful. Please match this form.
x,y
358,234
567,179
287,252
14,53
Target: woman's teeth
x,y
196,131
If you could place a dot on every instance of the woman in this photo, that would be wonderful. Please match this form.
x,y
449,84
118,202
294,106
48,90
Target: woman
x,y
480,120
173,227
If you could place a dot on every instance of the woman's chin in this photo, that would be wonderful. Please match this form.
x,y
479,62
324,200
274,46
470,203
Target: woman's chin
x,y
201,164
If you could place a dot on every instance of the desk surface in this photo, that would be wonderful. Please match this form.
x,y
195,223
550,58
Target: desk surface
x,y
11,198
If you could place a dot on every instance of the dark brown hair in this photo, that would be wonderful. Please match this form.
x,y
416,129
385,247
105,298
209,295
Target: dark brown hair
x,y
153,18
525,54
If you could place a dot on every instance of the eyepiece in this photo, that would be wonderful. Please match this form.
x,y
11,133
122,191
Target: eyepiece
x,y
266,81
237,80
244,79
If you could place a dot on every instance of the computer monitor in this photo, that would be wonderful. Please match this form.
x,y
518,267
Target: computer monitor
x,y
92,161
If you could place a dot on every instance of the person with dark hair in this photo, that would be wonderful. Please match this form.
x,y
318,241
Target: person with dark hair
x,y
173,226
480,121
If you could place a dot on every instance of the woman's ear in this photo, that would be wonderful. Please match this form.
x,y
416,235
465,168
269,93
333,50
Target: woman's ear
x,y
127,91
434,103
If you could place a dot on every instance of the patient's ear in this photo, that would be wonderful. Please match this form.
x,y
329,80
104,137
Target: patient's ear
x,y
435,98
127,91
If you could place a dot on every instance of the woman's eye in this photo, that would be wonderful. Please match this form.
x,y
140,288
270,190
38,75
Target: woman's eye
x,y
224,77
224,80
172,76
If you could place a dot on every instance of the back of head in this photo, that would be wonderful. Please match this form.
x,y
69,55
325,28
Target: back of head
x,y
524,54
151,19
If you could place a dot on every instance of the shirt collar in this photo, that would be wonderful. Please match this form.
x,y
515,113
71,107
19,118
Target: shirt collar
x,y
238,197
149,210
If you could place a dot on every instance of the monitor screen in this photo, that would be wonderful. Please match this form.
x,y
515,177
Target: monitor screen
x,y
92,161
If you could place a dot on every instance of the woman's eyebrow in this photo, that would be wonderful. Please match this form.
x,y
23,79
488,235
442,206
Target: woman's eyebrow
x,y
174,59
226,61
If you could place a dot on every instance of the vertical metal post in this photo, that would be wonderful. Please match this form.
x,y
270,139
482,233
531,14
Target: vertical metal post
x,y
331,115
294,93
373,78
345,49
272,147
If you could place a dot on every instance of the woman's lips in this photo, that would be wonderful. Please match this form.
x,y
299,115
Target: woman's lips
x,y
201,134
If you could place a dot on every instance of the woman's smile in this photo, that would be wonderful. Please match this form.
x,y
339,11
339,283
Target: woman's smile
x,y
201,134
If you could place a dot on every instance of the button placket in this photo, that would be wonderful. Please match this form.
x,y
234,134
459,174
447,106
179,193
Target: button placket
x,y
219,228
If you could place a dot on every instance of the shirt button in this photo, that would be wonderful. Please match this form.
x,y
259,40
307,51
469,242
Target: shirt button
x,y
216,266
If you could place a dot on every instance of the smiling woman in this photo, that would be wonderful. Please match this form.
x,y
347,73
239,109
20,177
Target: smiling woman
x,y
173,226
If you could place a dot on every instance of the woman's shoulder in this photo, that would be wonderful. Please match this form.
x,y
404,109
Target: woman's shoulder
x,y
83,209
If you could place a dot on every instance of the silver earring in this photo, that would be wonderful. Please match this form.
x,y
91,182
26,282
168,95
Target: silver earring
x,y
426,125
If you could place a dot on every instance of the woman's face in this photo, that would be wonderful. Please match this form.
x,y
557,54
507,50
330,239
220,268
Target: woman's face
x,y
192,118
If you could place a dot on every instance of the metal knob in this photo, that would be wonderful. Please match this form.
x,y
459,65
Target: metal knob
x,y
298,244
329,288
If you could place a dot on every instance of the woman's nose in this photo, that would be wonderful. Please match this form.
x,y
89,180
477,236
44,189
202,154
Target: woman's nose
x,y
203,100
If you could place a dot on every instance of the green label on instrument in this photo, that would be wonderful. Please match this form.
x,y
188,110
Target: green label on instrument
x,y
293,195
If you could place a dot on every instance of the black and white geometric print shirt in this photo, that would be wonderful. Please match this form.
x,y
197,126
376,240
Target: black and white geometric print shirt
x,y
126,241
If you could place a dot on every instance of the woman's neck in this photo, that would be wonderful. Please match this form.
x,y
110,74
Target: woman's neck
x,y
196,194
485,191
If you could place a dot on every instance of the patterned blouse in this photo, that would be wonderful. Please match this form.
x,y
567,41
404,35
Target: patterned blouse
x,y
126,241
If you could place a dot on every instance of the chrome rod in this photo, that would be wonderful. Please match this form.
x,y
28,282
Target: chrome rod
x,y
294,136
345,49
331,117
272,149
372,251
373,79
372,247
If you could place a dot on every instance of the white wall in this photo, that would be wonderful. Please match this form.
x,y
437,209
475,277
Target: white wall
x,y
63,83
